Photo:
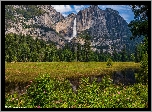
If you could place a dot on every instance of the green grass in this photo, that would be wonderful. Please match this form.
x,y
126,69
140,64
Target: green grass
x,y
26,71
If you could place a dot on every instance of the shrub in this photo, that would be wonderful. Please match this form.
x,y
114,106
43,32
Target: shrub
x,y
49,93
142,76
40,90
109,62
144,66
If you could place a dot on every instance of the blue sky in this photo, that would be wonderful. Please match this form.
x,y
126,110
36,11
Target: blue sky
x,y
124,10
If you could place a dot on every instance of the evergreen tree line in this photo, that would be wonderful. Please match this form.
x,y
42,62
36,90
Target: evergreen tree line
x,y
21,48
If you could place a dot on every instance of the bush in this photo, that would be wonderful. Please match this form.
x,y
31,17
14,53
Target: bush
x,y
109,62
47,92
144,69
40,90
44,92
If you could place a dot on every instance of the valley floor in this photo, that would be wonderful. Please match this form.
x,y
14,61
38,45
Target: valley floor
x,y
26,71
42,91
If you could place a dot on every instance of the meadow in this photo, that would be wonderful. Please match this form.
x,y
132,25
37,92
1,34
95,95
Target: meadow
x,y
48,86
26,71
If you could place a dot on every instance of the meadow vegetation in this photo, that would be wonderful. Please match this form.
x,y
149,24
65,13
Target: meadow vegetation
x,y
44,92
26,71
48,90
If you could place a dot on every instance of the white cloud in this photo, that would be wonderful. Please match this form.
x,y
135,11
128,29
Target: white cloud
x,y
115,7
124,10
78,7
65,15
62,8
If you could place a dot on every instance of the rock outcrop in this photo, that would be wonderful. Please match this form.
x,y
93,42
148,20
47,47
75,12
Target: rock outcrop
x,y
65,27
41,26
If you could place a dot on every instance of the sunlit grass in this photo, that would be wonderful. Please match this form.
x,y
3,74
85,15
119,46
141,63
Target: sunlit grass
x,y
26,71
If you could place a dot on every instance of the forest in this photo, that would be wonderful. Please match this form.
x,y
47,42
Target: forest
x,y
21,48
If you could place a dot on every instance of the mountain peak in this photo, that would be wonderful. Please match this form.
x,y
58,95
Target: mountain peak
x,y
111,10
94,6
71,15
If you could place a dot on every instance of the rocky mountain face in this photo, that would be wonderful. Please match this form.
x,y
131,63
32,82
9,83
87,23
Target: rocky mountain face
x,y
65,27
108,29
41,26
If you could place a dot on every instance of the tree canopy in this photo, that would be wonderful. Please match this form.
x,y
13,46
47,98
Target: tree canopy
x,y
139,26
23,48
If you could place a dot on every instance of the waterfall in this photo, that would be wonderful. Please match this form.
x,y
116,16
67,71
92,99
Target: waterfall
x,y
74,28
74,31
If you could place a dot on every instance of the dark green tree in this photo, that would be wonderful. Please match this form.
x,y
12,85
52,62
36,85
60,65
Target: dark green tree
x,y
124,57
139,28
139,52
79,50
87,45
115,56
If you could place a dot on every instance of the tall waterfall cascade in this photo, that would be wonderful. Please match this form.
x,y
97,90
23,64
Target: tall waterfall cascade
x,y
74,31
74,28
